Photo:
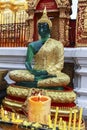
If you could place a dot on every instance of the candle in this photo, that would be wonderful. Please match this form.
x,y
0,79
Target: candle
x,y
2,113
74,121
70,120
18,120
55,120
49,121
39,109
60,123
5,116
64,125
80,118
13,117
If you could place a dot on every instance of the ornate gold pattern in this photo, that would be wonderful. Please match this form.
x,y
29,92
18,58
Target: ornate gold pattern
x,y
67,96
17,91
21,75
63,2
30,21
55,27
62,97
34,3
81,24
64,11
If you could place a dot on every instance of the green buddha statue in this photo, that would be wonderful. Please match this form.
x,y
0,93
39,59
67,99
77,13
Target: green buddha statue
x,y
48,57
43,73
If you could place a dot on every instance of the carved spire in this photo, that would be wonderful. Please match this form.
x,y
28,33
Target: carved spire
x,y
45,18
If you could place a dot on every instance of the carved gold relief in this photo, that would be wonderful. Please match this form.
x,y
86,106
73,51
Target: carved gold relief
x,y
57,96
85,22
62,30
63,2
81,24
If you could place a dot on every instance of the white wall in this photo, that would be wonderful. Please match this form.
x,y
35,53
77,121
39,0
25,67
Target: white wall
x,y
74,9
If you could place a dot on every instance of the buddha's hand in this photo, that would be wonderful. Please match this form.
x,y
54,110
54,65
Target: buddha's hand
x,y
35,72
43,77
39,72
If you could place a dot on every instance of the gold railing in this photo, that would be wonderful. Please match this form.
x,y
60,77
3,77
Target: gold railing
x,y
13,26
13,35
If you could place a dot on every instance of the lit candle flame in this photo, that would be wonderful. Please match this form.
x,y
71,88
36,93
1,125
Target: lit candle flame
x,y
6,113
39,97
18,117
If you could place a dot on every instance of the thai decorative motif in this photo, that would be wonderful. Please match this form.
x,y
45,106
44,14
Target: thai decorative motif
x,y
81,24
61,7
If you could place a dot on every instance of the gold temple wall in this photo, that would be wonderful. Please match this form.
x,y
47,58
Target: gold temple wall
x,y
81,24
13,26
58,11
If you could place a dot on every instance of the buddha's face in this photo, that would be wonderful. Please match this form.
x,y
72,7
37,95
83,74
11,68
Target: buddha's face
x,y
43,29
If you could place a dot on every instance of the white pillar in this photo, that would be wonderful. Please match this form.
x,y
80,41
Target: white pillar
x,y
81,74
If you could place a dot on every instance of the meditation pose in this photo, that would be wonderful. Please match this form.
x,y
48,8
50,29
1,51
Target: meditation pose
x,y
43,73
47,54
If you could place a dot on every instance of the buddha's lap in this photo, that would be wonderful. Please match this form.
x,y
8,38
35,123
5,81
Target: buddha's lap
x,y
21,75
25,75
61,80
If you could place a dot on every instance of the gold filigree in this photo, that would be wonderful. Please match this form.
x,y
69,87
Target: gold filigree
x,y
81,24
56,95
61,96
17,91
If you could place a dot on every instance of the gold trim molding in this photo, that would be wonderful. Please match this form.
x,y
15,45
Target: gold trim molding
x,y
81,24
33,3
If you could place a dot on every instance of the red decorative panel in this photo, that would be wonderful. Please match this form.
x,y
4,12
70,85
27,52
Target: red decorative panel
x,y
50,5
72,32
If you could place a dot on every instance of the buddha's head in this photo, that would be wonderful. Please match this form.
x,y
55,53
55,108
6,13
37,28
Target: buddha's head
x,y
44,25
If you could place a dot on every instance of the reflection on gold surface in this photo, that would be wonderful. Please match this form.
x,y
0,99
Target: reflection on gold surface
x,y
13,4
